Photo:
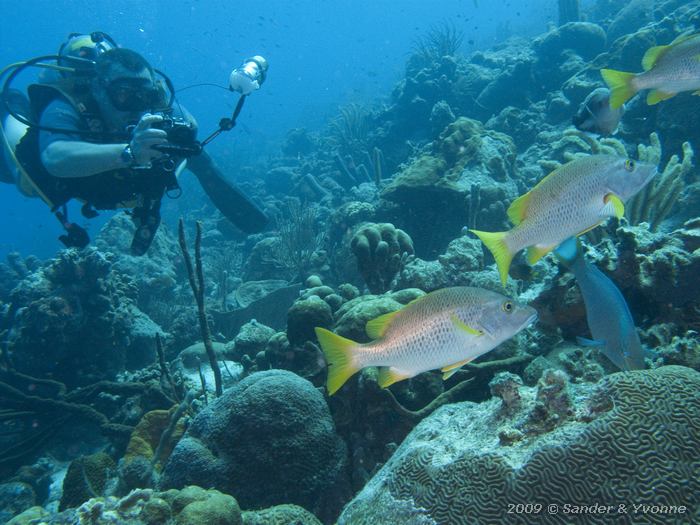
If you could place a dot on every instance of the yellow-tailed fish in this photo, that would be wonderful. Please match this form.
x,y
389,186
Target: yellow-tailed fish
x,y
667,70
444,329
568,202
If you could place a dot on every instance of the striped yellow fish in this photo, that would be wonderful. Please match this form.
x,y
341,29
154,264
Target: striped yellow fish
x,y
667,70
570,201
444,329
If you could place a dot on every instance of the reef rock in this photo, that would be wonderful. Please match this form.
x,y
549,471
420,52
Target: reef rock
x,y
467,174
633,438
268,440
189,506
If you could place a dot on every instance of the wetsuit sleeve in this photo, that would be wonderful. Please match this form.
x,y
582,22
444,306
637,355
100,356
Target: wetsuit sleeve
x,y
60,115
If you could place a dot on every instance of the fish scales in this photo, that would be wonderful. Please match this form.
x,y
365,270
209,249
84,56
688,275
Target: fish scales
x,y
424,331
561,202
441,330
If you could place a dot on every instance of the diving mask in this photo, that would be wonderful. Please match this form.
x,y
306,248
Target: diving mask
x,y
134,94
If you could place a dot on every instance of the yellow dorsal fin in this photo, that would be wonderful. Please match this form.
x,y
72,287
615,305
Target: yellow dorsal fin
x,y
683,38
377,327
535,253
655,96
613,206
388,375
518,209
461,325
652,56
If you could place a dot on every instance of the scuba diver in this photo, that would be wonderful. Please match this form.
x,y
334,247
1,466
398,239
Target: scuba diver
x,y
102,126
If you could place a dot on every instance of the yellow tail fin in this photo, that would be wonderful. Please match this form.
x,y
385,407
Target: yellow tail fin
x,y
495,242
339,356
620,84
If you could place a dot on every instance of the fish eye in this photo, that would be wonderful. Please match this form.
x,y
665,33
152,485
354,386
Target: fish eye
x,y
507,307
629,165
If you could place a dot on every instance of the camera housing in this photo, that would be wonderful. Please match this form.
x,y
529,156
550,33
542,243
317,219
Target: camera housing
x,y
180,132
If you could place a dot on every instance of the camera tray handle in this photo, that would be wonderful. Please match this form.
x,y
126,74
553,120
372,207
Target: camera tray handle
x,y
226,124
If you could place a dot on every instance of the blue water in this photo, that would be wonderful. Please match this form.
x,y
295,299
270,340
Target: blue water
x,y
322,54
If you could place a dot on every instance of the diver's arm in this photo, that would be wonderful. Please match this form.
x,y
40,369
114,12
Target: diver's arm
x,y
65,158
71,158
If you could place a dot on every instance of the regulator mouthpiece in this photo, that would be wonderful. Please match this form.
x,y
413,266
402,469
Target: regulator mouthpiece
x,y
249,76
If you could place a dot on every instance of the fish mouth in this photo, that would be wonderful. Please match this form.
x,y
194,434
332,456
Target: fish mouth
x,y
530,320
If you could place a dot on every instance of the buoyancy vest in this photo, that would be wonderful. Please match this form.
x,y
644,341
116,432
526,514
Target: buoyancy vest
x,y
109,190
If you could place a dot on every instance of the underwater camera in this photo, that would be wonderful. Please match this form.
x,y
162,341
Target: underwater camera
x,y
182,136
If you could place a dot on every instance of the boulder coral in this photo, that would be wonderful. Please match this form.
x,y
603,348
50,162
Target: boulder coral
x,y
268,440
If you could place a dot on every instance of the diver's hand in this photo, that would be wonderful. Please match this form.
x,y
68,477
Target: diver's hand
x,y
143,139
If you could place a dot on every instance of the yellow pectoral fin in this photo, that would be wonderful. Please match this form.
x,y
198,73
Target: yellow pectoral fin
x,y
461,325
518,209
652,56
388,375
655,96
588,229
377,327
535,253
614,207
450,370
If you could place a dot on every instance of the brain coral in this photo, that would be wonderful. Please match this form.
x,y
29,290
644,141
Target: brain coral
x,y
636,440
268,440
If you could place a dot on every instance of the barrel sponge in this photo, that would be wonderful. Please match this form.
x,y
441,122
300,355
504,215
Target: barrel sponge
x,y
635,441
268,440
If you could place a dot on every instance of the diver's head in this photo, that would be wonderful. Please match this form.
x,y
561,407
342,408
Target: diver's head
x,y
86,46
125,87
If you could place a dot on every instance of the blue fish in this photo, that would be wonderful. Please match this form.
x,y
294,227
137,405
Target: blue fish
x,y
609,318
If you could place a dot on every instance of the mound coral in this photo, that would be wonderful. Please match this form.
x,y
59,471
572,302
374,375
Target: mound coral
x,y
268,440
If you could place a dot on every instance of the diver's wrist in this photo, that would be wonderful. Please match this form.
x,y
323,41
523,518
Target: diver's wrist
x,y
127,157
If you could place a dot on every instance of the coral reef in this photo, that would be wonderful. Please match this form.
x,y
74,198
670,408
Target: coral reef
x,y
76,321
103,351
633,434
